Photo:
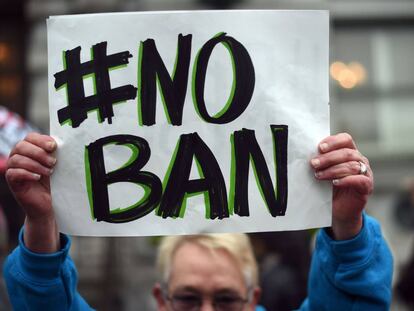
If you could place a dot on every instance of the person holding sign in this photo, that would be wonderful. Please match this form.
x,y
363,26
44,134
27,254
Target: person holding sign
x,y
351,267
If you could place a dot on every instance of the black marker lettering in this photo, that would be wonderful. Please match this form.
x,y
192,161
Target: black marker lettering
x,y
244,80
178,184
105,97
100,180
173,90
247,149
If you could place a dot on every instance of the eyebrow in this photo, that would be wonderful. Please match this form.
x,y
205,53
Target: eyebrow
x,y
220,291
187,289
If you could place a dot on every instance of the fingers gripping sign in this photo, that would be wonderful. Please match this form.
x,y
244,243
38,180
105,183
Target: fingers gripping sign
x,y
28,173
340,162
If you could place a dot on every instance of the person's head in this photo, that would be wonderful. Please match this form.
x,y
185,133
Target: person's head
x,y
206,271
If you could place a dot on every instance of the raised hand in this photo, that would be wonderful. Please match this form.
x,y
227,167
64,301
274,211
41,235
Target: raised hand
x,y
29,167
340,161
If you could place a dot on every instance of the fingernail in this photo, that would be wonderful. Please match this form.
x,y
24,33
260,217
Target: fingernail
x,y
52,161
315,162
318,174
335,182
324,147
51,145
51,171
36,176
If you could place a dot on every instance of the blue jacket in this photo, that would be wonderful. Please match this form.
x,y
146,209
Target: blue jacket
x,y
347,275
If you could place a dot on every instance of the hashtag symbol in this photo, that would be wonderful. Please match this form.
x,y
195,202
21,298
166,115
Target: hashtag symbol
x,y
104,98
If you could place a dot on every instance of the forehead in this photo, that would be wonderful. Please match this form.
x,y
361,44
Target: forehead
x,y
194,266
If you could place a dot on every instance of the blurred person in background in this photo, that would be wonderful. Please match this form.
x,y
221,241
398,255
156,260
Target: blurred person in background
x,y
351,266
284,258
12,130
404,205
404,213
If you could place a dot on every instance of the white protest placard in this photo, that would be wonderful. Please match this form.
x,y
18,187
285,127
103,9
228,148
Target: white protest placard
x,y
188,122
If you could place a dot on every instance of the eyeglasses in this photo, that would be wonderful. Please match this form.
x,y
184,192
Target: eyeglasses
x,y
193,302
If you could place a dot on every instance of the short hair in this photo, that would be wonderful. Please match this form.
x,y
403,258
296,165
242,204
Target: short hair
x,y
236,244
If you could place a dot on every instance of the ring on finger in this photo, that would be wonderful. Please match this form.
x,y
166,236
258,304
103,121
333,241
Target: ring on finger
x,y
363,169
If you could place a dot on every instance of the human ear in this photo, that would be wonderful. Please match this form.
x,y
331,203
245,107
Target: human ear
x,y
257,292
159,297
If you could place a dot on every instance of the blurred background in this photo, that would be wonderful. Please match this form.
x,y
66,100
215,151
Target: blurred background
x,y
372,97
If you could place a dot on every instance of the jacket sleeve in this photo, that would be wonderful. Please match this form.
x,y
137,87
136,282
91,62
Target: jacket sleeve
x,y
351,275
42,281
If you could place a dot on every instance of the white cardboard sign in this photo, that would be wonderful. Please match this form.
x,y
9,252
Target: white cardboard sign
x,y
188,122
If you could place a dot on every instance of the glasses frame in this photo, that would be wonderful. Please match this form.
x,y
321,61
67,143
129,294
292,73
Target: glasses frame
x,y
170,299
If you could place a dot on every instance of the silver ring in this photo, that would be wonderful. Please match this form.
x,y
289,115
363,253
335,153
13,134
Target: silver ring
x,y
363,170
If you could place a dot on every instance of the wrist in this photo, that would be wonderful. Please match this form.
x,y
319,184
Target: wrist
x,y
41,235
346,229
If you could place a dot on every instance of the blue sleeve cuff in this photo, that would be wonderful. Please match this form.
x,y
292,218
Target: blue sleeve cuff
x,y
42,266
355,251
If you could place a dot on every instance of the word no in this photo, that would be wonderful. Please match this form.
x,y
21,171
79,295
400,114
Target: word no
x,y
151,69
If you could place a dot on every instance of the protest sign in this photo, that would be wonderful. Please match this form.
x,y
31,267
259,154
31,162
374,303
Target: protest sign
x,y
187,122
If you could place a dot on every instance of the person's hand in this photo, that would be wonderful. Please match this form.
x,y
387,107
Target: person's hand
x,y
29,167
340,161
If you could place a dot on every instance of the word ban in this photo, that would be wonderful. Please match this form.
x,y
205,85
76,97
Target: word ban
x,y
171,201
